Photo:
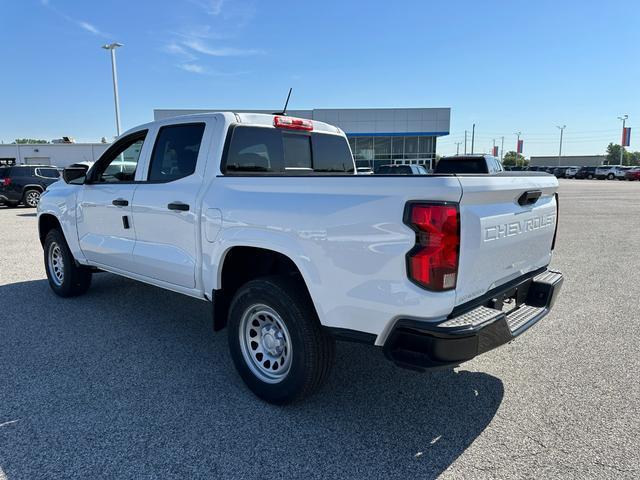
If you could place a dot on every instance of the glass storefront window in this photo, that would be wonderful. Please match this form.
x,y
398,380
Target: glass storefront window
x,y
364,148
382,145
392,149
410,145
426,145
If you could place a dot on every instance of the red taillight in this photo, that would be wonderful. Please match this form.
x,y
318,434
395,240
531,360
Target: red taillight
x,y
6,182
292,123
433,262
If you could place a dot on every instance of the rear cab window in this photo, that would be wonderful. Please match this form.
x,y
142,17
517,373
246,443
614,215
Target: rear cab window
x,y
264,150
461,165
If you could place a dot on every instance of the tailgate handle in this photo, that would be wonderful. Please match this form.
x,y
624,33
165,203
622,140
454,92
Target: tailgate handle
x,y
530,197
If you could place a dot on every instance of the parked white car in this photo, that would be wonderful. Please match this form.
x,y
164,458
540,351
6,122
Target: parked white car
x,y
570,172
608,172
264,217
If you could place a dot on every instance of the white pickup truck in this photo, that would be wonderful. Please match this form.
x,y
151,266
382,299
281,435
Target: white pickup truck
x,y
265,217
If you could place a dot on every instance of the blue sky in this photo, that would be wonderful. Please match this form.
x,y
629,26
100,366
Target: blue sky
x,y
507,66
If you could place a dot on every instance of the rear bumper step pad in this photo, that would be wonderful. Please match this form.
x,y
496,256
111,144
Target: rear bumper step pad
x,y
423,345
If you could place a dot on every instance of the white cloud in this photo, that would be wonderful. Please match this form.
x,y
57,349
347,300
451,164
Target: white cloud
x,y
175,49
90,28
198,46
211,7
193,68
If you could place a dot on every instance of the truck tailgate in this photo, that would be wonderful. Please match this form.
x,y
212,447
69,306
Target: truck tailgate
x,y
503,237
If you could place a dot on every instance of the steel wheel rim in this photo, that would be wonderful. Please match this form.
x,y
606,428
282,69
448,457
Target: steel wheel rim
x,y
56,264
33,198
265,343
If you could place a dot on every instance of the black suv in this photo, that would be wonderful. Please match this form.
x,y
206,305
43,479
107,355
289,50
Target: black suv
x,y
25,183
586,172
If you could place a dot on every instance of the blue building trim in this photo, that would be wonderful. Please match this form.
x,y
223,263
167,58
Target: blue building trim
x,y
398,134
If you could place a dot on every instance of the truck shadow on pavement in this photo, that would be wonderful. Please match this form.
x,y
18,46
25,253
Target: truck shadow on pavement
x,y
130,381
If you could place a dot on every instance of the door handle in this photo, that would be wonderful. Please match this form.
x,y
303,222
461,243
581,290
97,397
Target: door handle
x,y
120,202
182,207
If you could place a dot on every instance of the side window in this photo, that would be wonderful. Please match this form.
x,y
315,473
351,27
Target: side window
x,y
175,153
47,172
121,162
255,149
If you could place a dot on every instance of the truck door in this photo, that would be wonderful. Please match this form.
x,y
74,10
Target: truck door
x,y
105,231
165,208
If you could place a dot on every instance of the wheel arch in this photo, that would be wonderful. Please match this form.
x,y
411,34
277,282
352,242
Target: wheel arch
x,y
241,264
32,186
46,223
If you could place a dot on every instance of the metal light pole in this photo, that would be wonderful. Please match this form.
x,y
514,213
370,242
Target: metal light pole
x,y
112,48
473,137
560,151
502,151
624,120
465,142
458,148
517,145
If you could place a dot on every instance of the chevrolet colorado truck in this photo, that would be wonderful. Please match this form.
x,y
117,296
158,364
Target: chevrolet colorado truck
x,y
266,217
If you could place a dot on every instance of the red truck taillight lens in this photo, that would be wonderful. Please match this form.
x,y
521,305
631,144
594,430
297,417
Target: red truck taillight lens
x,y
433,262
292,123
5,182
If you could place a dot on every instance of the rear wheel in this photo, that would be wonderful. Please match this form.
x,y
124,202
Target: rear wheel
x,y
611,176
590,176
31,198
276,341
66,278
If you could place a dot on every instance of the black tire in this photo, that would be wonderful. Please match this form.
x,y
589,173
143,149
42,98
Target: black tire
x,y
11,204
74,280
611,176
312,349
589,176
31,197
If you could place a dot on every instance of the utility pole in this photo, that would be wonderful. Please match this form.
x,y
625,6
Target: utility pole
x,y
502,151
458,148
624,120
112,48
560,151
517,145
494,146
473,137
465,142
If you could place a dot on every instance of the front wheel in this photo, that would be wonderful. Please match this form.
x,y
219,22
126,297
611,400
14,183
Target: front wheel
x,y
590,177
276,341
611,176
66,279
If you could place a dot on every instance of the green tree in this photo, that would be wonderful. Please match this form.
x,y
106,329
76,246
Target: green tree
x,y
510,159
28,140
613,156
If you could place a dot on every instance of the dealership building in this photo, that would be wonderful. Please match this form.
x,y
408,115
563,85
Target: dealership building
x,y
378,136
55,154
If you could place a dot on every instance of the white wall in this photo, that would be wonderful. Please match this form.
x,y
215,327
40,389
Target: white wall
x,y
56,154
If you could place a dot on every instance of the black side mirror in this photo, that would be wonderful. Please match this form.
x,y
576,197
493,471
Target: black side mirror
x,y
75,174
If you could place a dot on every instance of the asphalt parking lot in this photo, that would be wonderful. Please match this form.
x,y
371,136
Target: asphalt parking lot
x,y
129,381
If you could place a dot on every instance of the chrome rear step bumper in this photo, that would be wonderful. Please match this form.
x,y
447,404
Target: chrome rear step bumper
x,y
422,345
